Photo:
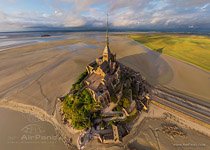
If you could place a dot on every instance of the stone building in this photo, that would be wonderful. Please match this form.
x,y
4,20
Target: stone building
x,y
112,137
120,90
103,75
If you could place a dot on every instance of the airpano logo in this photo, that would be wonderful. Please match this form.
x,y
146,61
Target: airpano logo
x,y
32,129
34,134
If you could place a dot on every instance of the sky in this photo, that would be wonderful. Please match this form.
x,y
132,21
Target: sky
x,y
23,15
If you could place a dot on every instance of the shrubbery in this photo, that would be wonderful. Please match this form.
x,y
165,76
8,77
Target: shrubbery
x,y
124,102
79,107
79,84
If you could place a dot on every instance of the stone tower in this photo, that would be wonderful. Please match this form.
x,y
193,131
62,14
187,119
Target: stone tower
x,y
107,53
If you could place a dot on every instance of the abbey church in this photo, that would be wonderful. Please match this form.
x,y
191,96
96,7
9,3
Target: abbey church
x,y
110,83
119,91
104,75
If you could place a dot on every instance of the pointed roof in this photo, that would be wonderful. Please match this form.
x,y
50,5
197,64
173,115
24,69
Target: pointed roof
x,y
107,49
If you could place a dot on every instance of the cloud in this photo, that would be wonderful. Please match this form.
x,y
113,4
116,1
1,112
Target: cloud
x,y
187,3
73,21
2,16
123,14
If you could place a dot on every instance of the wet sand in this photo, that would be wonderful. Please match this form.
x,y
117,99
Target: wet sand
x,y
160,69
150,136
37,74
22,131
147,133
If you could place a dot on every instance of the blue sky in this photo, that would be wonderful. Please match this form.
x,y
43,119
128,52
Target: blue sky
x,y
16,15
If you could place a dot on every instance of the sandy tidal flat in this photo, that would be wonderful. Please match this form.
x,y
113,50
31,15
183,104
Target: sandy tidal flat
x,y
22,131
39,73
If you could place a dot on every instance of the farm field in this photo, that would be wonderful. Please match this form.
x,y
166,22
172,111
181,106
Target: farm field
x,y
194,49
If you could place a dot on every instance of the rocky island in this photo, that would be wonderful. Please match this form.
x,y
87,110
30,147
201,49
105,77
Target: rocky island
x,y
105,100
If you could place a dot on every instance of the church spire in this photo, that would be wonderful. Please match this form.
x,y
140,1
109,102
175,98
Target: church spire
x,y
107,53
107,31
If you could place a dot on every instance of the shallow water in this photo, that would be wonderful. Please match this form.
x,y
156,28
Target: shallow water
x,y
6,43
9,40
21,131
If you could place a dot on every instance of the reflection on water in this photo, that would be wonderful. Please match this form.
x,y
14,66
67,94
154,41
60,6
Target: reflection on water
x,y
5,43
9,40
21,131
13,42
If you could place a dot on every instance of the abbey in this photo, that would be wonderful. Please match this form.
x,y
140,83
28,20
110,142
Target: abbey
x,y
119,90
103,76
119,93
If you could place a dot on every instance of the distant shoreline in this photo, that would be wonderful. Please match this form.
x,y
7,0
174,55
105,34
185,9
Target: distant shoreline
x,y
207,33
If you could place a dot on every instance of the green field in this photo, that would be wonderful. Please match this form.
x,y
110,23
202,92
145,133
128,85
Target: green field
x,y
191,48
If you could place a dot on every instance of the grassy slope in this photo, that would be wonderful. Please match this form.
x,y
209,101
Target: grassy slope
x,y
191,48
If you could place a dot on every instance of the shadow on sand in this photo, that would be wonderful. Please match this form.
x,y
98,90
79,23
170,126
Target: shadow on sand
x,y
136,146
151,65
